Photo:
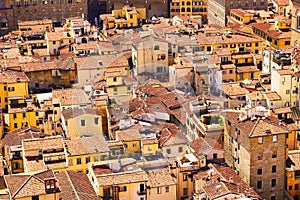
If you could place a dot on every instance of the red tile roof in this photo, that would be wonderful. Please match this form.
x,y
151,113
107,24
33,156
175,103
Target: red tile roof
x,y
75,186
27,185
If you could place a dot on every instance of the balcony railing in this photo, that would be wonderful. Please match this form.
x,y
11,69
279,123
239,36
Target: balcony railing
x,y
141,192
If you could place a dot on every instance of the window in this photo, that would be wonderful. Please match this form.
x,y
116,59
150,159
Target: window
x,y
273,168
78,161
168,151
241,76
15,125
273,183
259,185
287,91
296,186
96,121
134,145
24,115
70,2
215,156
150,148
184,177
167,189
87,160
290,187
287,43
260,156
273,198
158,190
4,88
156,47
298,22
54,42
123,189
260,140
35,197
36,114
274,154
131,16
115,79
185,191
179,149
128,87
274,138
259,171
82,122
15,115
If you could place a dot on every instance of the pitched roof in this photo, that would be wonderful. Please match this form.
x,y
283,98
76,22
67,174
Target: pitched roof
x,y
171,136
47,143
10,76
233,89
60,64
205,145
15,137
160,178
27,184
71,96
75,112
75,185
223,181
255,128
131,134
122,178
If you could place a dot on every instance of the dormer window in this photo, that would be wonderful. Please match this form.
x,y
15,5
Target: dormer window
x,y
50,185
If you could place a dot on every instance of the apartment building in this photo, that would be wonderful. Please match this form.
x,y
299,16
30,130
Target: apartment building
x,y
218,10
255,147
295,28
13,83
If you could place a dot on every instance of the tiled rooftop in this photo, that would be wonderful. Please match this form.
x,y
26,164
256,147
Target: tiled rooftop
x,y
75,186
69,97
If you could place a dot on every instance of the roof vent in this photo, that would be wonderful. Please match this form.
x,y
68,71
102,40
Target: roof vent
x,y
268,131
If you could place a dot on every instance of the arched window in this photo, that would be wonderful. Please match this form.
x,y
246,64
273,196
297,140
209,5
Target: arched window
x,y
182,9
188,10
188,3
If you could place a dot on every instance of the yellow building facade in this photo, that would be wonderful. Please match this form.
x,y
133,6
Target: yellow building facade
x,y
13,84
293,174
127,17
23,112
81,121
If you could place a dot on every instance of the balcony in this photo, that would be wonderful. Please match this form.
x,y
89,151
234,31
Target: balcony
x,y
141,192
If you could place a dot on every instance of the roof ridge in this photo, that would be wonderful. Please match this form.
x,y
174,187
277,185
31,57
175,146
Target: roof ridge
x,y
31,176
251,132
71,183
169,136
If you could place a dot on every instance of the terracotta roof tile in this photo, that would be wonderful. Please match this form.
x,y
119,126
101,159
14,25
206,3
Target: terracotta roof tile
x,y
205,145
27,185
224,181
233,89
75,112
61,64
69,97
75,185
160,178
9,76
122,178
15,137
